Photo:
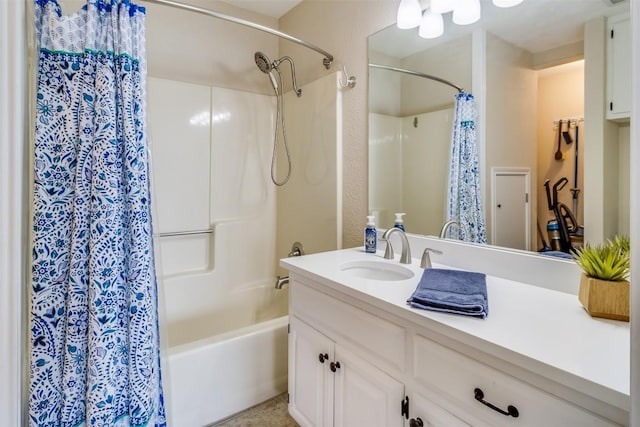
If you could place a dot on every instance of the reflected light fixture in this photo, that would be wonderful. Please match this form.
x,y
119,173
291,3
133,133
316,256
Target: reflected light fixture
x,y
442,6
466,12
506,3
431,26
409,14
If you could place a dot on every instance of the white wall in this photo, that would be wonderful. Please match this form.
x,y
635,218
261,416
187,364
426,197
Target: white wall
x,y
309,205
510,132
451,61
426,152
342,28
14,191
387,98
601,142
385,168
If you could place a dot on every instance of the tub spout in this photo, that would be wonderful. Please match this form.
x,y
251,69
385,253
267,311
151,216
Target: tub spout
x,y
281,281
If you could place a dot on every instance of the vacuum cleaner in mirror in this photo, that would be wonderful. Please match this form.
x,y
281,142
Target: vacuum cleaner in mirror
x,y
563,231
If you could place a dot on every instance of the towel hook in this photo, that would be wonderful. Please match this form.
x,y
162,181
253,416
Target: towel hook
x,y
349,81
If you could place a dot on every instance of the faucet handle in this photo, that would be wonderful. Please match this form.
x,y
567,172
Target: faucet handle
x,y
426,259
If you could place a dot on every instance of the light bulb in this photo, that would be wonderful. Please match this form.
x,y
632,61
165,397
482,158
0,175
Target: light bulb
x,y
431,26
409,14
442,6
466,12
506,3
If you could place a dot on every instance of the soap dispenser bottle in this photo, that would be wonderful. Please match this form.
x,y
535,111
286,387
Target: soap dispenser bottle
x,y
370,235
398,223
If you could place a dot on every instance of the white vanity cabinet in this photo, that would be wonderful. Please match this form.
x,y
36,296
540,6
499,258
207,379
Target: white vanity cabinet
x,y
618,67
354,364
330,386
426,413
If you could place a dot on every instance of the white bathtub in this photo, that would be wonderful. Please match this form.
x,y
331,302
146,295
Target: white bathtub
x,y
216,377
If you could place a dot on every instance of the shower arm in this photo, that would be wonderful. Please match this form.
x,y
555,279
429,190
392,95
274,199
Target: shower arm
x,y
276,64
328,58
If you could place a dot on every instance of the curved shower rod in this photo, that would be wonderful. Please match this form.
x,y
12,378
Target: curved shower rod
x,y
416,73
328,58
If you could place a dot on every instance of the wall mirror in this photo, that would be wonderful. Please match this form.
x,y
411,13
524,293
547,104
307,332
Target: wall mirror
x,y
543,74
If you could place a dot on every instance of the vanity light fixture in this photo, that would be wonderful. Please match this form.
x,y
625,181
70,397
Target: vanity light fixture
x,y
431,26
409,14
442,6
466,12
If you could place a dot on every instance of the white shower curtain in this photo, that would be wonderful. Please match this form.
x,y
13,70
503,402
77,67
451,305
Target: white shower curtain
x,y
464,197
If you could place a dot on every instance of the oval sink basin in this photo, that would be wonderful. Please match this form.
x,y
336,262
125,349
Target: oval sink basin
x,y
376,270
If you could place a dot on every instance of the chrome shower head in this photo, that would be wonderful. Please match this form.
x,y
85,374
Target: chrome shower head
x,y
263,62
265,65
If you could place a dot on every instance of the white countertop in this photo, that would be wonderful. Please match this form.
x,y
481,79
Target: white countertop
x,y
544,331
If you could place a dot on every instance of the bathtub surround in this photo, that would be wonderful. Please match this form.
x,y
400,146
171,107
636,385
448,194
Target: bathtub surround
x,y
225,320
95,348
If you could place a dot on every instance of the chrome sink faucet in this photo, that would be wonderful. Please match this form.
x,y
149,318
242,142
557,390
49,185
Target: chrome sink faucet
x,y
405,257
446,226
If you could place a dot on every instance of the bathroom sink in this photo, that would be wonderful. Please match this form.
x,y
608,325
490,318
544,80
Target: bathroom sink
x,y
377,270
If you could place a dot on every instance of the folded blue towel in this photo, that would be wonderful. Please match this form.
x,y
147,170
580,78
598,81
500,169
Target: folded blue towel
x,y
452,291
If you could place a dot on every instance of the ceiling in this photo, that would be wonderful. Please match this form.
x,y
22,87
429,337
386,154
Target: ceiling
x,y
273,8
533,25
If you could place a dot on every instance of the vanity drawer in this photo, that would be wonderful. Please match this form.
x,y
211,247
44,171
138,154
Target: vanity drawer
x,y
346,324
457,376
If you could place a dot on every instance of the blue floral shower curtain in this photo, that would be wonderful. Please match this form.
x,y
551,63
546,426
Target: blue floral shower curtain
x,y
94,315
464,197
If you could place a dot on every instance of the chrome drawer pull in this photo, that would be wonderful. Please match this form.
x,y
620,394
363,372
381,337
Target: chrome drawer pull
x,y
511,410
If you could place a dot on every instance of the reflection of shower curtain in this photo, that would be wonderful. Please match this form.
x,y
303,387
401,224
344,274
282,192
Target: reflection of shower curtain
x,y
94,317
464,199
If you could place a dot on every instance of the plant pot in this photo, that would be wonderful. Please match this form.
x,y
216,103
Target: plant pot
x,y
602,298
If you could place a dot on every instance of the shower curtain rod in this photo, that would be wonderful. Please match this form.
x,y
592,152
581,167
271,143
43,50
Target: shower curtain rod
x,y
328,58
416,73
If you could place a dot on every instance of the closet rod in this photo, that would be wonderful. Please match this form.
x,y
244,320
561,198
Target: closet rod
x,y
416,73
328,58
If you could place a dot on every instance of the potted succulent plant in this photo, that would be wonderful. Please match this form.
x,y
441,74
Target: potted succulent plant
x,y
604,286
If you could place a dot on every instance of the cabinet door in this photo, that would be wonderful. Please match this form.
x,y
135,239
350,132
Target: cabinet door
x,y
310,379
425,412
619,67
364,395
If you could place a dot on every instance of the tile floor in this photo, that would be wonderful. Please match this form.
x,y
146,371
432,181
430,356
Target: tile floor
x,y
272,413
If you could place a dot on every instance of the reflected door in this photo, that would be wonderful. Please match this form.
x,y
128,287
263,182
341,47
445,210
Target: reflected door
x,y
510,210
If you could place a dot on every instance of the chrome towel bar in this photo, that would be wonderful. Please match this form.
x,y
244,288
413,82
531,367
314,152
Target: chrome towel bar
x,y
185,233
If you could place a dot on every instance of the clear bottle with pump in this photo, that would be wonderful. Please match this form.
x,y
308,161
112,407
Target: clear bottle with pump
x,y
399,223
370,235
